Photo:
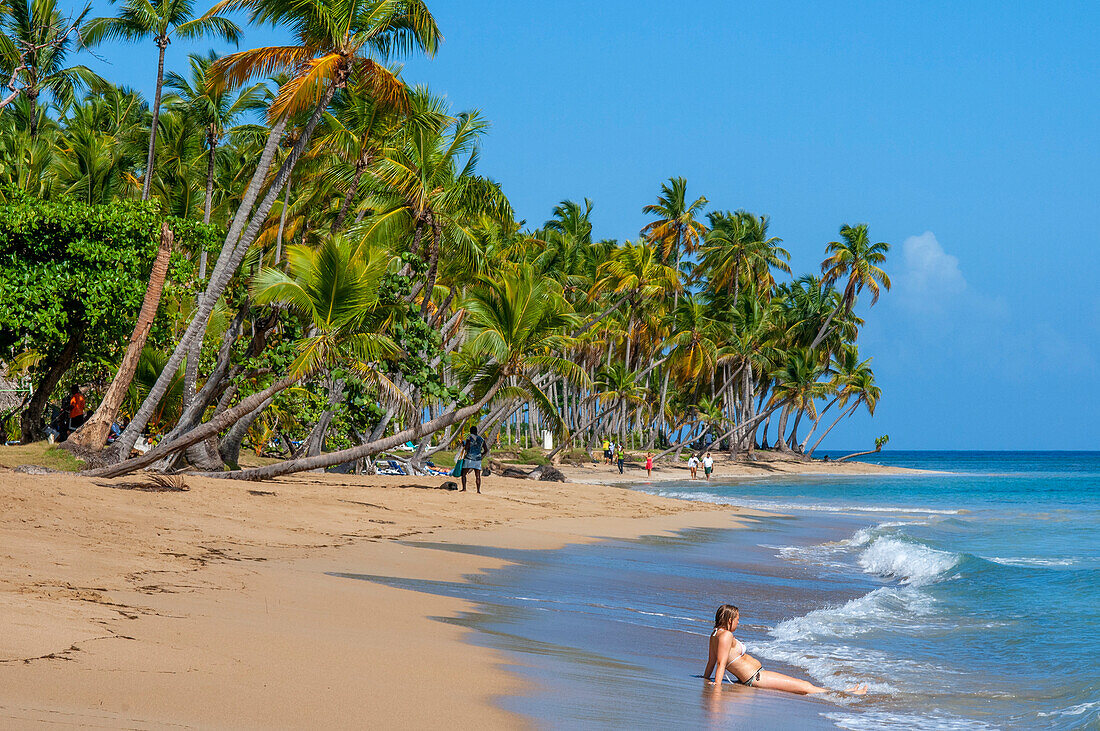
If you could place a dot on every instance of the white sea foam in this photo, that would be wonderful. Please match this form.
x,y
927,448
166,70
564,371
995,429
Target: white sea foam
x,y
873,720
888,606
910,563
1025,561
1073,710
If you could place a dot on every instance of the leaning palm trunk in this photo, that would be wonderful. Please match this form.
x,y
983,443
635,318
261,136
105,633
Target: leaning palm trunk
x,y
233,252
217,284
208,201
315,443
859,454
229,448
817,423
781,431
370,449
835,422
93,434
196,435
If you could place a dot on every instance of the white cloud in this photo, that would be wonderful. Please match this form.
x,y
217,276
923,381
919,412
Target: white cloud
x,y
928,268
929,277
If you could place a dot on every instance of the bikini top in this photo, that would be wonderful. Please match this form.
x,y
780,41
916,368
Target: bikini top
x,y
738,648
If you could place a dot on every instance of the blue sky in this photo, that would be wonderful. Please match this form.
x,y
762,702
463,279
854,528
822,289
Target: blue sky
x,y
965,134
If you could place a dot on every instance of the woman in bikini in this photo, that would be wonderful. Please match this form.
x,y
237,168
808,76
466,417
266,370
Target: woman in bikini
x,y
728,653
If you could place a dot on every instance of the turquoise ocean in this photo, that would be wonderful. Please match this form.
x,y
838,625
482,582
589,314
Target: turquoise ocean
x,y
965,599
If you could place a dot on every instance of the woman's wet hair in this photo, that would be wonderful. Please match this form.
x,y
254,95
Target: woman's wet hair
x,y
725,614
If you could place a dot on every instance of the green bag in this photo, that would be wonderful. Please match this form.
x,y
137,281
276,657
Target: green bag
x,y
457,471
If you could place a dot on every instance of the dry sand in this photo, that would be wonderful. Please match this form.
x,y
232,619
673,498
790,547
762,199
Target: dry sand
x,y
213,607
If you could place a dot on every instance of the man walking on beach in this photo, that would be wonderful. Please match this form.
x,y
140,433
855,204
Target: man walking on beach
x,y
474,449
708,465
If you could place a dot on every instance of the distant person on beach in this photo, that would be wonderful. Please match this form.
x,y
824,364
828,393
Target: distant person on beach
x,y
649,464
607,451
693,465
619,457
727,653
708,465
74,412
474,449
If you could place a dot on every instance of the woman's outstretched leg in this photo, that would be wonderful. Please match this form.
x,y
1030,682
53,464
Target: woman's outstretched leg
x,y
778,681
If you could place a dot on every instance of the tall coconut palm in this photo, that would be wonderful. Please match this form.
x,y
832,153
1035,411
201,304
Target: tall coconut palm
x,y
218,110
676,230
736,248
636,271
35,42
427,186
856,258
335,40
354,133
161,21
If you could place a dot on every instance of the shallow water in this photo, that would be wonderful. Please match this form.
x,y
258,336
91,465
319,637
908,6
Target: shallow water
x,y
965,600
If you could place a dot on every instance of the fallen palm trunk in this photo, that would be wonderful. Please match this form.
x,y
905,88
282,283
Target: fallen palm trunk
x,y
194,436
370,449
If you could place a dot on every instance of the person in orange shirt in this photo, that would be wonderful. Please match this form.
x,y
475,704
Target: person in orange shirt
x,y
75,408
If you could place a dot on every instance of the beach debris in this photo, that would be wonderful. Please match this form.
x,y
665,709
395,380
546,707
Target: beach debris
x,y
261,492
33,469
153,483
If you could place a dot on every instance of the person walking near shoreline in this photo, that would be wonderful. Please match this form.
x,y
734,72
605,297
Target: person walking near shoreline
x,y
693,465
619,457
649,464
474,449
708,465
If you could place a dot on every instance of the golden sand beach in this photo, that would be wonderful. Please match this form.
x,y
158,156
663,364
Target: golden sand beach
x,y
213,607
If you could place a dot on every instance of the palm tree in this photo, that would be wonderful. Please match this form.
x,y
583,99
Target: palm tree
x,y
94,155
427,185
861,384
335,38
218,110
676,231
336,288
637,272
355,132
35,41
858,259
798,386
160,20
738,247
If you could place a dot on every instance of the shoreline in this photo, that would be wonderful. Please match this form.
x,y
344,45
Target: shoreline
x,y
768,465
217,606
